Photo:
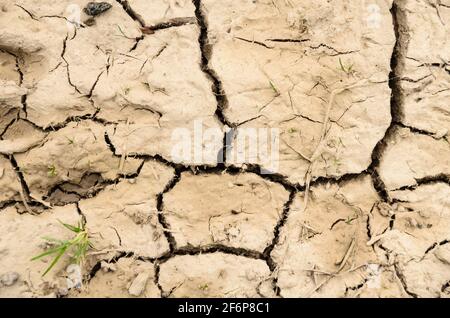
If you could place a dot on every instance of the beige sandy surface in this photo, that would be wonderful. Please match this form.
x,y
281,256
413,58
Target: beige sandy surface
x,y
357,91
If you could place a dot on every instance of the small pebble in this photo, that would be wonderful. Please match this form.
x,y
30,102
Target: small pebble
x,y
74,277
95,8
9,279
138,285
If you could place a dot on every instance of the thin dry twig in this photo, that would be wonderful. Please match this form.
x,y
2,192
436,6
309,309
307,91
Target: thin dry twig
x,y
322,141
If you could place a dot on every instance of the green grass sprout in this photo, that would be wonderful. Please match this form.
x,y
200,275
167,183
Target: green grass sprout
x,y
347,69
79,245
275,90
51,172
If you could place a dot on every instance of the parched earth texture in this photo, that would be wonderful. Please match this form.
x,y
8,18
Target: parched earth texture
x,y
359,92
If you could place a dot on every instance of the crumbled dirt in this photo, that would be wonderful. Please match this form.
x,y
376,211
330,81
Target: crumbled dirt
x,y
357,204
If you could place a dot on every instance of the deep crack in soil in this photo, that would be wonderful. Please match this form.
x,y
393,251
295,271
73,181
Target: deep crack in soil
x,y
42,186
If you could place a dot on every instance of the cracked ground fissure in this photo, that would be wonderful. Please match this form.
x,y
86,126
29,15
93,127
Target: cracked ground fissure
x,y
131,13
222,102
221,105
206,51
395,94
396,114
220,168
293,189
394,84
174,251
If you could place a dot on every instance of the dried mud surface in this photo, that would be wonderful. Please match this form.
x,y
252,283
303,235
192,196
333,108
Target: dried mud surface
x,y
360,203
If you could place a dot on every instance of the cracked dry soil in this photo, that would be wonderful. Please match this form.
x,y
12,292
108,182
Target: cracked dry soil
x,y
360,204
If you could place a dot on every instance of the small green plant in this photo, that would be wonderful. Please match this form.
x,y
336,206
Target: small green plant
x,y
51,172
71,141
350,220
347,69
203,287
79,245
275,90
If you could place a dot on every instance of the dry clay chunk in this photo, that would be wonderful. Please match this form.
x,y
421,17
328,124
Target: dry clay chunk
x,y
284,67
21,33
46,108
9,182
410,156
10,99
20,137
425,71
196,142
56,56
124,215
422,219
150,81
381,282
235,210
8,67
142,92
318,247
70,153
94,49
26,231
160,11
212,275
429,39
425,103
118,279
419,236
429,278
7,115
39,45
10,95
